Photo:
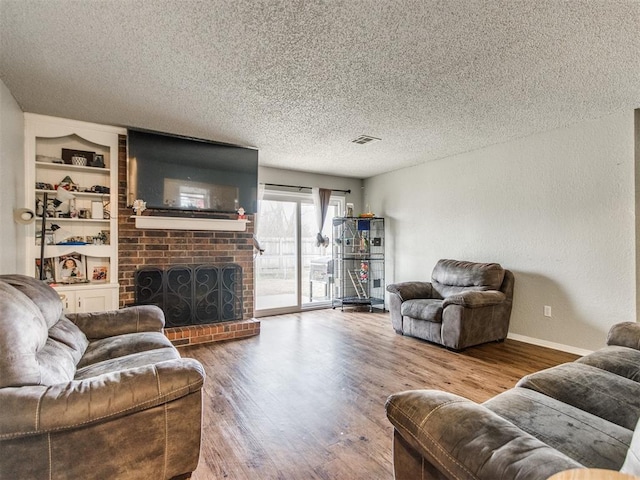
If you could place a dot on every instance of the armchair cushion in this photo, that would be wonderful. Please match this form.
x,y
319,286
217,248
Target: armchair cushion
x,y
424,309
453,276
475,299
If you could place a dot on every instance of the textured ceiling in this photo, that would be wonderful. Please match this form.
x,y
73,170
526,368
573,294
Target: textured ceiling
x,y
300,79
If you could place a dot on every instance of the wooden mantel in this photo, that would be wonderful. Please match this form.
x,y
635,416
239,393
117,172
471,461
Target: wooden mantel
x,y
183,223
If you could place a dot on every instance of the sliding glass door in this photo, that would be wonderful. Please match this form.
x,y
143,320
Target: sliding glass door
x,y
294,273
277,269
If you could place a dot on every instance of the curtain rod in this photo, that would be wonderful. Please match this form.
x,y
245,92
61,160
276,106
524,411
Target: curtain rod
x,y
299,187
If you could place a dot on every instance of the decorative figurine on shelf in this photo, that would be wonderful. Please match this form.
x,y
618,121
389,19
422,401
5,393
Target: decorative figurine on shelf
x,y
241,214
68,184
139,206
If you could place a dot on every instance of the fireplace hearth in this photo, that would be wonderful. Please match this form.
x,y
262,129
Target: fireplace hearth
x,y
192,294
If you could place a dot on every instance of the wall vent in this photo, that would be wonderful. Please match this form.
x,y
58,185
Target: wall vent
x,y
364,139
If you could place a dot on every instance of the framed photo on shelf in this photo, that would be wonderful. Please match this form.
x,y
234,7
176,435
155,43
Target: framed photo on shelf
x,y
100,273
49,270
48,236
71,268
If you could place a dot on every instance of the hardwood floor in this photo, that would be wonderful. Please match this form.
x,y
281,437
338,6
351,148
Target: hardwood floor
x,y
305,399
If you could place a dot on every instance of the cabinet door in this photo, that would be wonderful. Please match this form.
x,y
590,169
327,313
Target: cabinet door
x,y
68,301
98,300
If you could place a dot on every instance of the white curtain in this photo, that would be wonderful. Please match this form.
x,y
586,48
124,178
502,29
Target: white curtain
x,y
321,199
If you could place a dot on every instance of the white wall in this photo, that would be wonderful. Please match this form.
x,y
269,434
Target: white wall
x,y
11,181
291,177
557,208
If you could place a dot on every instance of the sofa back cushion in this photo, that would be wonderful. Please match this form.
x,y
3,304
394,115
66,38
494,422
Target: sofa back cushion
x,y
28,356
43,296
450,277
70,336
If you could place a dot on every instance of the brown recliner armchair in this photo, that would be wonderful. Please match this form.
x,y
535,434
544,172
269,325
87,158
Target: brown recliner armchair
x,y
95,395
465,304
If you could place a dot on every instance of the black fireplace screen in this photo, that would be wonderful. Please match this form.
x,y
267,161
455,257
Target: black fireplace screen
x,y
192,295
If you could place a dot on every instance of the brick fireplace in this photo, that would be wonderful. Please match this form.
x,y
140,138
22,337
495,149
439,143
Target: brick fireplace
x,y
139,248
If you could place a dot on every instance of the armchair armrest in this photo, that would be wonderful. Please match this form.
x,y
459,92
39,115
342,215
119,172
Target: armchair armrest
x,y
625,334
411,290
42,409
143,318
475,299
468,441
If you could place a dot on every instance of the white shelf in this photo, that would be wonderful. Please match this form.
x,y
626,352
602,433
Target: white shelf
x,y
182,223
89,250
74,220
76,194
76,168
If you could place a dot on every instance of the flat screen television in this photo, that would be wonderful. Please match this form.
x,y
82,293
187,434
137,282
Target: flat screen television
x,y
189,174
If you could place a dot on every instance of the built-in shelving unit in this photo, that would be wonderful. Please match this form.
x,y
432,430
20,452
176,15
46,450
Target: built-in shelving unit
x,y
83,228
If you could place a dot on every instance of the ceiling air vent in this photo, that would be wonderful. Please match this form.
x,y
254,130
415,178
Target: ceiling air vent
x,y
364,139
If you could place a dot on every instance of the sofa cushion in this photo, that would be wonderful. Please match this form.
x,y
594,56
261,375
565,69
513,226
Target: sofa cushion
x,y
126,362
588,439
602,393
24,333
42,295
122,345
57,364
623,361
67,333
28,356
423,309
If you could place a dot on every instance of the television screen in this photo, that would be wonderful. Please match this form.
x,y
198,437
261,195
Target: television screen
x,y
172,172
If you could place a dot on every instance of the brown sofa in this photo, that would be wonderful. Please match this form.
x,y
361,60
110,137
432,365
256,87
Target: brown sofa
x,y
465,304
582,414
101,395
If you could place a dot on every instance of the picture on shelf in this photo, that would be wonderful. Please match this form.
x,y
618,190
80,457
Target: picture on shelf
x,y
100,273
71,268
49,239
48,270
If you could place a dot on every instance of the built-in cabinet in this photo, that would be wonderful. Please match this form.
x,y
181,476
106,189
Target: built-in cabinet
x,y
71,172
358,262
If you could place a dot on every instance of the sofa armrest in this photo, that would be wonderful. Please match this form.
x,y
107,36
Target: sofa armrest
x,y
465,440
625,334
475,299
410,290
143,318
36,410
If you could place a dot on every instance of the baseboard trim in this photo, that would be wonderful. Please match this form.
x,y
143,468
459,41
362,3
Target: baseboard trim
x,y
543,343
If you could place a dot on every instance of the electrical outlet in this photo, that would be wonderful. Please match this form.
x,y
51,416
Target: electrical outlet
x,y
547,311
